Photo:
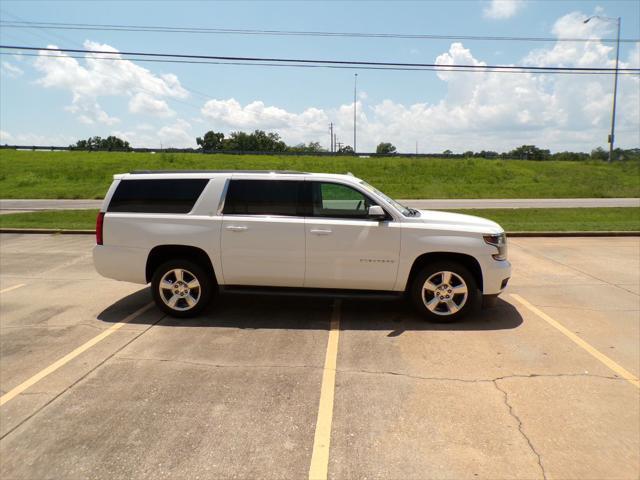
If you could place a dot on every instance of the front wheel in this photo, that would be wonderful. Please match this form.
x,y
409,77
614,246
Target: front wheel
x,y
444,292
181,288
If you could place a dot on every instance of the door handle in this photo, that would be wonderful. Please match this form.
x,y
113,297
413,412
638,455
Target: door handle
x,y
320,231
236,228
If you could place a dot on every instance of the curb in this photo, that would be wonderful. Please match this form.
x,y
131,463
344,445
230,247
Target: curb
x,y
60,231
615,233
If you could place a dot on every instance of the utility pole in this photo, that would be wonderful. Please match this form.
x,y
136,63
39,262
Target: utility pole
x,y
331,136
618,20
355,90
335,139
615,95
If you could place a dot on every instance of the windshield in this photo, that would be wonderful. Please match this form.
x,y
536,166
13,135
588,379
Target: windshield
x,y
406,211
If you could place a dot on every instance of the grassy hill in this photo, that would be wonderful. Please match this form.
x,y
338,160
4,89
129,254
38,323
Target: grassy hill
x,y
512,220
25,174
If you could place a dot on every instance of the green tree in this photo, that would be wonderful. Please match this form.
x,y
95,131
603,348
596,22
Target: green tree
x,y
385,148
346,149
599,154
258,141
312,147
211,141
530,152
570,156
99,143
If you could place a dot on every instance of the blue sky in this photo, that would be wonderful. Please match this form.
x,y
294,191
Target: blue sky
x,y
46,100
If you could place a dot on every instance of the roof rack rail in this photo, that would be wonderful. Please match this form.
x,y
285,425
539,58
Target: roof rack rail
x,y
147,172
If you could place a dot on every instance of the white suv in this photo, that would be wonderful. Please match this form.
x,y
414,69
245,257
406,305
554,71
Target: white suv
x,y
193,233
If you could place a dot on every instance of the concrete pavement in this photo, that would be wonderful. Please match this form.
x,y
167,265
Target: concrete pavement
x,y
235,393
13,206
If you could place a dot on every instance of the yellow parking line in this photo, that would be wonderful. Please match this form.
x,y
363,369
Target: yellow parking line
x,y
12,288
70,356
322,438
628,376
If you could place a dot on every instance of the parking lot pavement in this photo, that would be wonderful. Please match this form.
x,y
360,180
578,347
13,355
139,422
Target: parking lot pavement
x,y
533,388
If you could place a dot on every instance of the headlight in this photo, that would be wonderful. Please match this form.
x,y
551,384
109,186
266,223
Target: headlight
x,y
500,242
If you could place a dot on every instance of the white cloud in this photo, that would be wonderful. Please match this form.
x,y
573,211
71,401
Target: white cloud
x,y
500,9
11,70
230,114
55,139
106,78
146,104
5,137
175,135
480,111
90,112
490,111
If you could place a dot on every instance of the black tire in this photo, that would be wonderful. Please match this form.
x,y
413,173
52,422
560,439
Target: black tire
x,y
439,312
183,309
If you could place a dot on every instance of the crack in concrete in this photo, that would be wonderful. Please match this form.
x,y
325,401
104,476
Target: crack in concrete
x,y
578,307
214,365
482,380
521,428
371,372
57,327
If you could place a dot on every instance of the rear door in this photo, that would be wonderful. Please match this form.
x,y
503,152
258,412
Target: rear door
x,y
345,247
262,237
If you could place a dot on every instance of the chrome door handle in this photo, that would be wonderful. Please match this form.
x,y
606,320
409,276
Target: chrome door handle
x,y
236,228
320,231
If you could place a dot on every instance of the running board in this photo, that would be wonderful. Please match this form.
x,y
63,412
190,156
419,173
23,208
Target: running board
x,y
310,292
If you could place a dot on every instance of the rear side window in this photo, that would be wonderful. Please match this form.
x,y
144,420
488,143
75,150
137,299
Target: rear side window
x,y
157,196
263,197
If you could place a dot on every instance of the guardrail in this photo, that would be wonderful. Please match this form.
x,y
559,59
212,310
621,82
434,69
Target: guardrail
x,y
233,152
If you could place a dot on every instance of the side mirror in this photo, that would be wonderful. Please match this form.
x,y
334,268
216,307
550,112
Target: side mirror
x,y
377,212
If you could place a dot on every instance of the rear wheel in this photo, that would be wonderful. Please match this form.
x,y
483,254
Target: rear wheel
x,y
444,292
181,288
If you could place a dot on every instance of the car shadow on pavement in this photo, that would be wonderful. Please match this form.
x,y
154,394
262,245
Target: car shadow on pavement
x,y
257,311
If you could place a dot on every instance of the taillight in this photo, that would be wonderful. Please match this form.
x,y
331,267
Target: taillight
x,y
99,223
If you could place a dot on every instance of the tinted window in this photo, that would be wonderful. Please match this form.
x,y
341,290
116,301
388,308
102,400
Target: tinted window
x,y
338,201
263,197
157,196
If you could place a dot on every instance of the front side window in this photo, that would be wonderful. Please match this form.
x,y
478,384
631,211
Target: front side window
x,y
338,201
263,197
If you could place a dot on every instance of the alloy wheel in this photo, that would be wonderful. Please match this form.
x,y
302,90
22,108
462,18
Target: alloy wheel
x,y
445,293
179,289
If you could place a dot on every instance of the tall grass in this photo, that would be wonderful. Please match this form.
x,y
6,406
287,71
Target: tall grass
x,y
26,174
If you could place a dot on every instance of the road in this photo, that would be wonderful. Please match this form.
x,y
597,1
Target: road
x,y
96,383
13,206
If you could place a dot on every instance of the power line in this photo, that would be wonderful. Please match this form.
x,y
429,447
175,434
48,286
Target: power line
x,y
256,64
239,31
331,63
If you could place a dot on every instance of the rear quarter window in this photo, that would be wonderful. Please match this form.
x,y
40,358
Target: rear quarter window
x,y
157,196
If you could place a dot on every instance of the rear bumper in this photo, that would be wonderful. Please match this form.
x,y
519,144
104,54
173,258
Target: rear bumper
x,y
121,263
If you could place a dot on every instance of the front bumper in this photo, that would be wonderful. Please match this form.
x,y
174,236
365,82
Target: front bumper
x,y
495,275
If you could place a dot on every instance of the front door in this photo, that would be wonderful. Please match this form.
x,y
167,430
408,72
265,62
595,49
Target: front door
x,y
346,248
262,238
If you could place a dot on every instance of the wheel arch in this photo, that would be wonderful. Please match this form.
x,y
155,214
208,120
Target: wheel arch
x,y
163,253
468,261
